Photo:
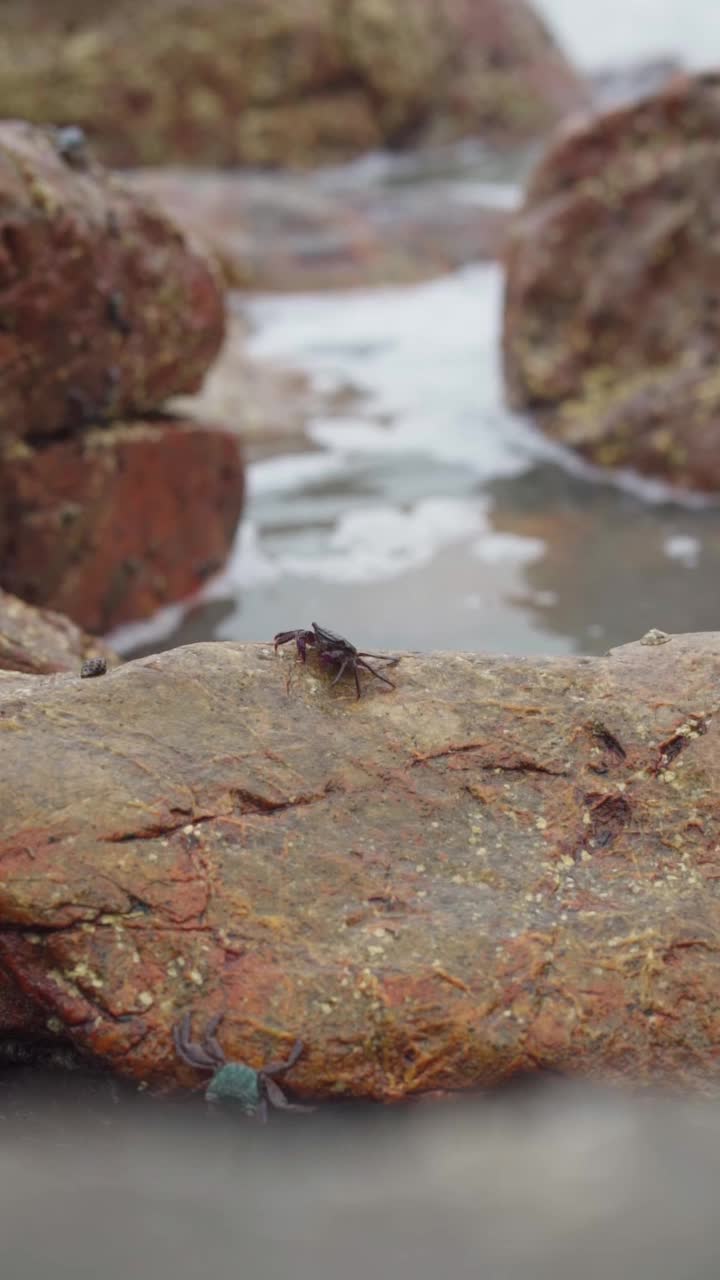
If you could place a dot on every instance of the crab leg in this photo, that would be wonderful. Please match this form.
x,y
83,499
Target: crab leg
x,y
380,676
343,666
195,1055
277,1068
278,1099
210,1044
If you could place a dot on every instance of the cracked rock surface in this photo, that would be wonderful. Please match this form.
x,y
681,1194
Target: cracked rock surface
x,y
502,866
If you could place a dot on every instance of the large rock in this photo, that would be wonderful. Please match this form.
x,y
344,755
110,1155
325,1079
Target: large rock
x,y
612,317
115,522
38,641
268,82
501,866
105,308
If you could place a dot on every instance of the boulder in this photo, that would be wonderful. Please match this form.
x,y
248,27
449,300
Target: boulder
x,y
282,82
612,314
38,641
111,524
106,309
500,866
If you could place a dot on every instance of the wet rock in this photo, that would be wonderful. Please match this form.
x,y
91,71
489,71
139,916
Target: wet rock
x,y
113,523
503,866
287,82
38,641
105,308
612,316
281,231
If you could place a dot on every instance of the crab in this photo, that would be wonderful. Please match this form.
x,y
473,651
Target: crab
x,y
334,651
236,1082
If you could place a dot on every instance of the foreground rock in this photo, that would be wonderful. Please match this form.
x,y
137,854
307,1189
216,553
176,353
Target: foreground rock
x,y
502,866
612,314
38,641
105,308
281,82
282,231
110,525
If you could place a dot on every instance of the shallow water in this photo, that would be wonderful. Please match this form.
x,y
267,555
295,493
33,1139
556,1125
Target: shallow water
x,y
429,516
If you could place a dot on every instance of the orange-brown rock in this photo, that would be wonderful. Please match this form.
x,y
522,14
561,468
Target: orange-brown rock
x,y
501,866
281,82
283,231
612,317
39,641
113,523
106,308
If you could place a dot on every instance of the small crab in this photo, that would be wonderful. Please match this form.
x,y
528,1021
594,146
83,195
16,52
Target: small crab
x,y
334,651
236,1082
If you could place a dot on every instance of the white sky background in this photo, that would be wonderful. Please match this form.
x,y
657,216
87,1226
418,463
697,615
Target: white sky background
x,y
598,33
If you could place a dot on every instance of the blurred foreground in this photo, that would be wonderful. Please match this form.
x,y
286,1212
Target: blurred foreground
x,y
544,1182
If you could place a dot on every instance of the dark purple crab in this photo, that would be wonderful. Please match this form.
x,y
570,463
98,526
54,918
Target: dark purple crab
x,y
236,1082
334,651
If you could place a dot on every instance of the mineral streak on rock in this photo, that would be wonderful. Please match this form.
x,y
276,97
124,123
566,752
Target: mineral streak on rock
x,y
502,866
114,523
39,641
281,82
106,309
612,317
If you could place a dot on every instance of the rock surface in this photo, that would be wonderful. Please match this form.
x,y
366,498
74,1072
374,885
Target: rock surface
x,y
612,317
38,642
105,308
281,82
282,231
111,524
502,866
